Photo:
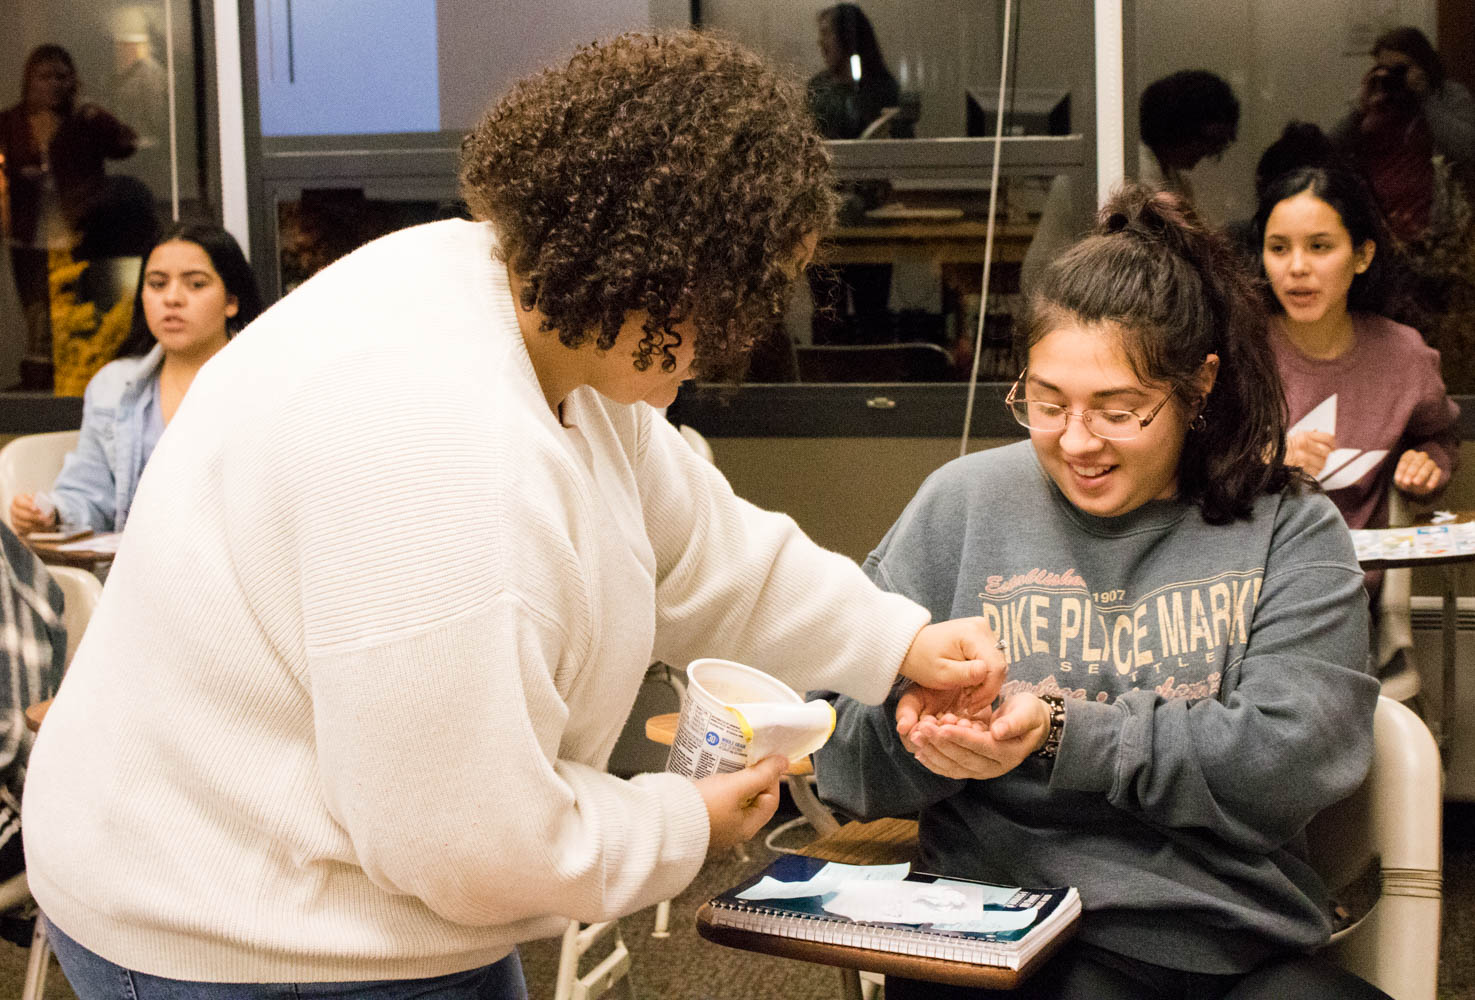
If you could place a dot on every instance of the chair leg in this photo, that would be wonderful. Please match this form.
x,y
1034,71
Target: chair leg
x,y
568,963
662,929
37,963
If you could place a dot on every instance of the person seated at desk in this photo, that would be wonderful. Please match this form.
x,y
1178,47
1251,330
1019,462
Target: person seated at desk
x,y
311,743
1186,633
855,86
195,291
53,148
1367,402
852,301
33,647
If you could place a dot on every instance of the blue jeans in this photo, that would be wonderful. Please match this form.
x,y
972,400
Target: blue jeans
x,y
95,978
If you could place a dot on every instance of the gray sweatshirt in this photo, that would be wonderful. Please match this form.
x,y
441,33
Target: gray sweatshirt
x,y
1217,699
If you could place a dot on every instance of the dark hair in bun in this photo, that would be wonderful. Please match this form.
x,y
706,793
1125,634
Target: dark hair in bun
x,y
1176,292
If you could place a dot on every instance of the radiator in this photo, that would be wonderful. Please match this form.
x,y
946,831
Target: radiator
x,y
1428,620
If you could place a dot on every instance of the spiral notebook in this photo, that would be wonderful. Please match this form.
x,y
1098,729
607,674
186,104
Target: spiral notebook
x,y
885,918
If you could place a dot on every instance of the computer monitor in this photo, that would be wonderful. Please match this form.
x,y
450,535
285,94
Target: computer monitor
x,y
1027,112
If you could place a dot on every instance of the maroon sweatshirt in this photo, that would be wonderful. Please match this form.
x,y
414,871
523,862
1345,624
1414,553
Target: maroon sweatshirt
x,y
1390,398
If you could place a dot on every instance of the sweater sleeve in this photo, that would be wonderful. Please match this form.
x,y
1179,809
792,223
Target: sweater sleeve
x,y
864,769
437,658
85,492
1433,426
745,584
1292,736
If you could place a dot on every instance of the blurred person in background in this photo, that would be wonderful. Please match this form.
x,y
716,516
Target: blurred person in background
x,y
1412,132
1183,118
54,148
1367,402
855,86
196,290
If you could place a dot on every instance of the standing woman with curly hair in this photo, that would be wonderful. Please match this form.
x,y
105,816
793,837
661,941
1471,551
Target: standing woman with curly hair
x,y
381,611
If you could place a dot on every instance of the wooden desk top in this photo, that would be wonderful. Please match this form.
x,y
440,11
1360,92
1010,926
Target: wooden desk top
x,y
35,713
880,842
54,554
662,729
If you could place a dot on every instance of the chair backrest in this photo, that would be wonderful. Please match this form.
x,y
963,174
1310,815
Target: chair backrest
x,y
81,590
30,463
698,443
1396,817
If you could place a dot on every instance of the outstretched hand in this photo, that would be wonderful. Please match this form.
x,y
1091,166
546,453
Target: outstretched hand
x,y
967,746
958,669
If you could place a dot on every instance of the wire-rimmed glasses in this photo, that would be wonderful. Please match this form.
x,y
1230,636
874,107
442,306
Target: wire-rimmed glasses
x,y
1050,418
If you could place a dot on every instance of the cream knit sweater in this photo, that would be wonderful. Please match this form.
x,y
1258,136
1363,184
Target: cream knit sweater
x,y
376,623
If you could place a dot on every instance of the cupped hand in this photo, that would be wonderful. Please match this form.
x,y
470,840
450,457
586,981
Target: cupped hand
x,y
965,747
1309,450
1417,474
739,803
26,515
963,705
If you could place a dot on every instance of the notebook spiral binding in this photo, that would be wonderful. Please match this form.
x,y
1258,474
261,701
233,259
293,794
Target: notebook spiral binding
x,y
826,929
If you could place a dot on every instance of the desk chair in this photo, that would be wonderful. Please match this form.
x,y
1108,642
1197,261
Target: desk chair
x,y
30,463
613,968
697,442
1395,817
81,591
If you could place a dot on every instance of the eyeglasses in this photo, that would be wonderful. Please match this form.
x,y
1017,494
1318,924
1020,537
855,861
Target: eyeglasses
x,y
1048,418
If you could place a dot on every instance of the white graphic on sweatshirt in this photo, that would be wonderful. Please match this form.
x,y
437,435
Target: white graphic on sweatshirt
x,y
1344,466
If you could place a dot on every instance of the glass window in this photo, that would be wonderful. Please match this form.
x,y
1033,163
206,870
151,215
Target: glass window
x,y
104,140
322,224
1313,64
897,290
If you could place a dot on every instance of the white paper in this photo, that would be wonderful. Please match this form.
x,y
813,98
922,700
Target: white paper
x,y
827,880
1323,417
106,543
795,731
908,902
1345,466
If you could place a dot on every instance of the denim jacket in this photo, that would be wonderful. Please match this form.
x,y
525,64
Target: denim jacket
x,y
97,480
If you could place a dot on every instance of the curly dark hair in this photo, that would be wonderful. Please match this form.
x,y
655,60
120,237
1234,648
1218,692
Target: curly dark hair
x,y
674,173
1177,293
1177,108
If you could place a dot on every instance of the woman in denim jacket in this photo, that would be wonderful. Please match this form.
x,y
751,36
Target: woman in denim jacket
x,y
195,292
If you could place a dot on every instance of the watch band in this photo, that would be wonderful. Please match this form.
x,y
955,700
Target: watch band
x,y
1051,746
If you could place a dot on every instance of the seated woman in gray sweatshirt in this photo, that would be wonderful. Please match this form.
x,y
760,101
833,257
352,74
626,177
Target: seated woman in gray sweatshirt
x,y
1186,631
